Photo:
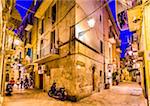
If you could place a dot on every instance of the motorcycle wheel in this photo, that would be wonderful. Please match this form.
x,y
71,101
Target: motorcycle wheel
x,y
61,97
50,94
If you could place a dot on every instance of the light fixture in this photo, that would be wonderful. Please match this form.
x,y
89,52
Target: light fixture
x,y
27,58
16,42
78,66
91,22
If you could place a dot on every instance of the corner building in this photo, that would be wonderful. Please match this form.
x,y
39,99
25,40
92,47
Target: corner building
x,y
68,51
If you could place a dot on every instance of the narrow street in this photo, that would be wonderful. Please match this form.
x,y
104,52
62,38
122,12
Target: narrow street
x,y
80,45
125,94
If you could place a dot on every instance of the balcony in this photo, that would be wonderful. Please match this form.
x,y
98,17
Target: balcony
x,y
9,51
112,37
27,42
47,54
118,49
30,19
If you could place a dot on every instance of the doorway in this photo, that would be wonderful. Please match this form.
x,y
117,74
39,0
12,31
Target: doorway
x,y
93,79
145,87
41,81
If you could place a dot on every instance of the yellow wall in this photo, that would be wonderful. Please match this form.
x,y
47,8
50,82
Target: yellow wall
x,y
145,33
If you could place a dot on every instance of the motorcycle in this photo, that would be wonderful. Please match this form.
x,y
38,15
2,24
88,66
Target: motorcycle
x,y
9,90
58,94
26,85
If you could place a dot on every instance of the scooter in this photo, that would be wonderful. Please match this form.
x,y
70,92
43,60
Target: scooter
x,y
9,90
26,86
58,94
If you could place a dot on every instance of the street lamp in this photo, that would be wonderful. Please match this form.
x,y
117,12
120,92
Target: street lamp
x,y
91,24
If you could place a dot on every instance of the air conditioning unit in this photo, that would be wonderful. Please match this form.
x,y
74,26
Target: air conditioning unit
x,y
43,67
55,51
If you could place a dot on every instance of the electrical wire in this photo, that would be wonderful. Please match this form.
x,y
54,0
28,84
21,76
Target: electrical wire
x,y
100,7
24,8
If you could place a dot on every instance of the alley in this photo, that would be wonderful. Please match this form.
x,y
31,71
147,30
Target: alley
x,y
126,94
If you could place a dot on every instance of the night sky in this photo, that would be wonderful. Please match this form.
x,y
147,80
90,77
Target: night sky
x,y
124,35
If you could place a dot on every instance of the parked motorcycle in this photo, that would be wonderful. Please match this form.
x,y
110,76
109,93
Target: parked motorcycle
x,y
26,85
58,94
9,89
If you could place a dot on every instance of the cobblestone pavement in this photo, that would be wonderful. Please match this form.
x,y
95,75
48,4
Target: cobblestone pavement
x,y
126,94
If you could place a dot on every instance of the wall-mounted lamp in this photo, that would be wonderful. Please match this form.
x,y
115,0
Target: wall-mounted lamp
x,y
16,42
91,23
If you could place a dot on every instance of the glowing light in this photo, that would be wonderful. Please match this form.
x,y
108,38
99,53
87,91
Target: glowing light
x,y
16,42
78,66
91,22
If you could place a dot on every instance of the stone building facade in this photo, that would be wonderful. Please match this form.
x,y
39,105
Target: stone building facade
x,y
66,50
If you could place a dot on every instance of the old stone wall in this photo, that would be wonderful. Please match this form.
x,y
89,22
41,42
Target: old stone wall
x,y
62,72
89,71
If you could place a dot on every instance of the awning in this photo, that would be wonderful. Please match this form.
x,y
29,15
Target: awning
x,y
43,7
47,58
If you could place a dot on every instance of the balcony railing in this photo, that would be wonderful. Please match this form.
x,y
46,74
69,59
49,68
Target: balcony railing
x,y
47,50
46,54
112,37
